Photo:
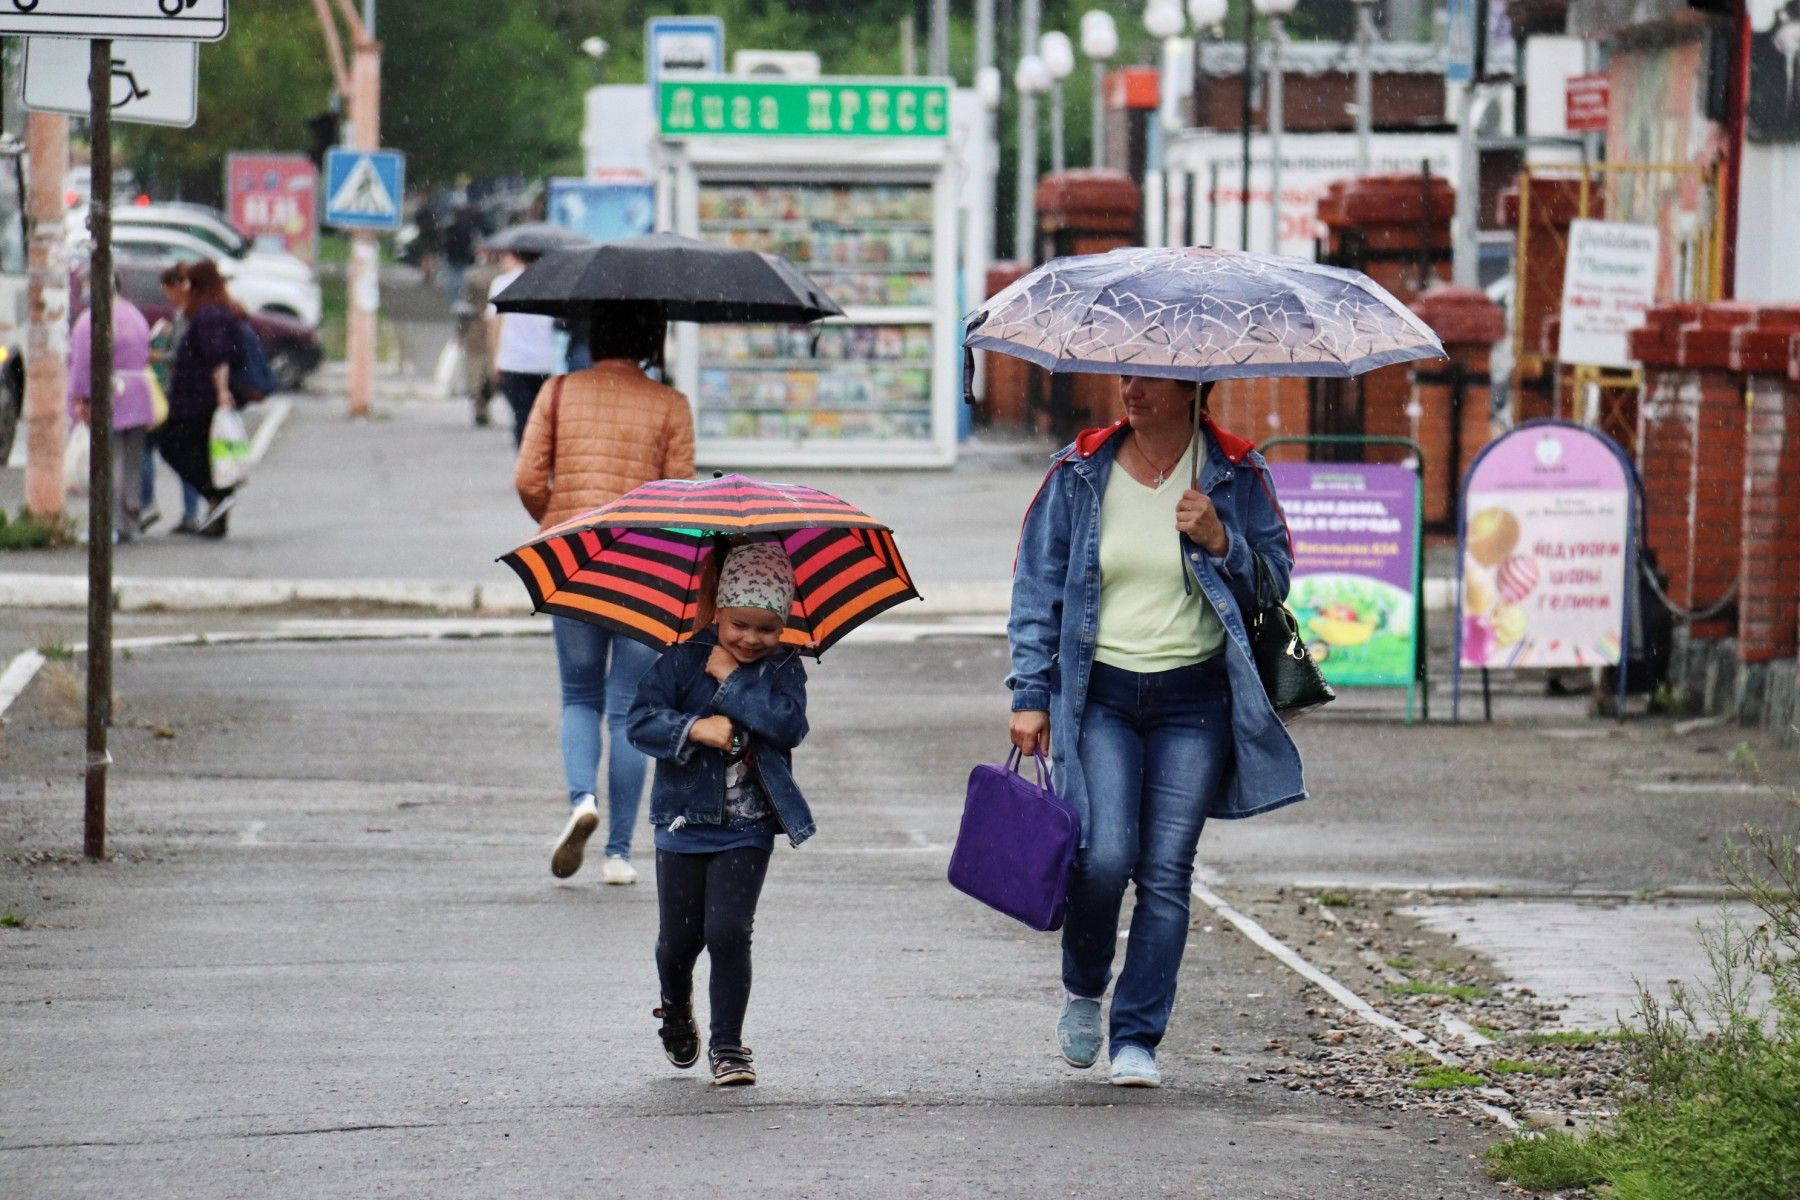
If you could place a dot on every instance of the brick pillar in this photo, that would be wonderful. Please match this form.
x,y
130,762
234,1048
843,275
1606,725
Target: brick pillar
x,y
1665,441
1712,403
1006,383
1553,204
1084,212
1395,228
1454,398
1769,570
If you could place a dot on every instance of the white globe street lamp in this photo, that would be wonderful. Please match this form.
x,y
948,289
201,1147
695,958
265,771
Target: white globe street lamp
x,y
1031,76
1099,42
987,87
1163,19
1205,14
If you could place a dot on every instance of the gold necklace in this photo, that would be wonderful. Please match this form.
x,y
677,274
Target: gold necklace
x,y
1162,473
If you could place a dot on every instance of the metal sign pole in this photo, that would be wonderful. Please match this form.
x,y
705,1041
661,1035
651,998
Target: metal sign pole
x,y
100,425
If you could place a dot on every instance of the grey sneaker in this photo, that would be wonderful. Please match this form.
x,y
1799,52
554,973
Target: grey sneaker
x,y
1133,1066
1078,1032
584,818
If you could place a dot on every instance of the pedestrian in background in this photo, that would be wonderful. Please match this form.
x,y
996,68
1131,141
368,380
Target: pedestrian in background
x,y
428,241
200,385
722,714
1147,545
165,335
472,327
524,345
462,237
132,413
593,436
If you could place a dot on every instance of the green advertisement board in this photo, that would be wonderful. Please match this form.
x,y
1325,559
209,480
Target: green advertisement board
x,y
803,109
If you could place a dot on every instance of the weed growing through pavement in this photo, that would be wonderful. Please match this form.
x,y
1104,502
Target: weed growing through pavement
x,y
1578,1039
11,921
28,531
1404,962
1425,987
1520,1066
1334,900
57,651
1713,1109
1441,1078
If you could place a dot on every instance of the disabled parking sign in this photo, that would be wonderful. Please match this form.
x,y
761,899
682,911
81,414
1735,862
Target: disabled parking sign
x,y
364,189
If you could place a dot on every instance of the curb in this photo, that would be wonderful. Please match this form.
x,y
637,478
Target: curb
x,y
139,593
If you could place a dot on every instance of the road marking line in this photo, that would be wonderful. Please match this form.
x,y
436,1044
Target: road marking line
x,y
1701,787
268,428
19,672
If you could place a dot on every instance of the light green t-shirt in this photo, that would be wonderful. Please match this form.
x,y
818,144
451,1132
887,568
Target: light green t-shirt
x,y
1149,621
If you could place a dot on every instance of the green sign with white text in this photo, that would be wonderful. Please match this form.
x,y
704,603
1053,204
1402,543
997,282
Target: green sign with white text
x,y
803,109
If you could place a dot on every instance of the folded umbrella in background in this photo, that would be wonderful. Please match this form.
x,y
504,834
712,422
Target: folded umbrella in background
x,y
642,564
537,237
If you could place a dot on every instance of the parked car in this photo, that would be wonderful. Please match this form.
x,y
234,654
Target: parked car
x,y
293,350
78,185
257,285
215,228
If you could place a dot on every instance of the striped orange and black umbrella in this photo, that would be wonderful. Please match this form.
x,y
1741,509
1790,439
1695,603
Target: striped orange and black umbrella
x,y
642,565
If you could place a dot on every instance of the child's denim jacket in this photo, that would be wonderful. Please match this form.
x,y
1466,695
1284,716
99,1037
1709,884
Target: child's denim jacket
x,y
767,698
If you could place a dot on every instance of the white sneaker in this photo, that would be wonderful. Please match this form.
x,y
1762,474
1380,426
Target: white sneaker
x,y
565,857
618,870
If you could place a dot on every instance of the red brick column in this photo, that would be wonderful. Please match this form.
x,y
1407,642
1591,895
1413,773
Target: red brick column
x,y
1713,405
1006,381
1087,212
1665,441
1769,570
1381,224
1451,434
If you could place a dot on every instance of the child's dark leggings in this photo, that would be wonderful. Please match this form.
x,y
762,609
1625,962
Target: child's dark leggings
x,y
708,901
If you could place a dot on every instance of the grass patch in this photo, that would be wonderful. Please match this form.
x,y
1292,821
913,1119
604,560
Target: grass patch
x,y
1334,900
1425,987
28,531
1580,1039
1713,1106
1442,1079
1555,1161
11,921
57,651
1404,962
1520,1066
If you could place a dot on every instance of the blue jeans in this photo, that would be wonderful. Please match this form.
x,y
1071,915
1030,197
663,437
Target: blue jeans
x,y
600,670
1154,752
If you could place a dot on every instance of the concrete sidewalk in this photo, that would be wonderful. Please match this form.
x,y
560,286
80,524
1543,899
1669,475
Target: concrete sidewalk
x,y
414,506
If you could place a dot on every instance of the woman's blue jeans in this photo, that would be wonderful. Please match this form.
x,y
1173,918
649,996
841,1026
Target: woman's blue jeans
x,y
1155,749
600,670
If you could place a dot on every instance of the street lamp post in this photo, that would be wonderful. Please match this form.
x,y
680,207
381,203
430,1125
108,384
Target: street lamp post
x,y
1059,60
1025,195
1210,14
1365,100
1163,21
1099,42
1275,10
1032,79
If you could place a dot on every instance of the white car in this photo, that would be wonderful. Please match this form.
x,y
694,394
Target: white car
x,y
255,282
212,226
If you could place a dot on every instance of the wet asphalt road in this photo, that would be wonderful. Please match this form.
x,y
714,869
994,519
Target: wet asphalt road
x,y
330,961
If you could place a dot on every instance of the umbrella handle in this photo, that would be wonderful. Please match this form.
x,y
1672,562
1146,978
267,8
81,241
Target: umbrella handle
x,y
1202,401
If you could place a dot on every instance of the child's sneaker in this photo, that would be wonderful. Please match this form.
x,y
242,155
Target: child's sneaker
x,y
584,818
732,1067
618,870
681,1041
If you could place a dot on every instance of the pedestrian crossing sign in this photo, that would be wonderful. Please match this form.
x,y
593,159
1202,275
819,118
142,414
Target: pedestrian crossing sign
x,y
364,189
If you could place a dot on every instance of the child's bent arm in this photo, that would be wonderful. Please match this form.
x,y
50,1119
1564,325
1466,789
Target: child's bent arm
x,y
770,703
655,724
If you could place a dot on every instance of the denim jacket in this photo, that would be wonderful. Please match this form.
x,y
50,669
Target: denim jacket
x,y
1056,611
767,698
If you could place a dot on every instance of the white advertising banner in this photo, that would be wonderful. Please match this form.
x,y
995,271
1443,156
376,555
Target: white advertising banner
x,y
1609,283
1310,163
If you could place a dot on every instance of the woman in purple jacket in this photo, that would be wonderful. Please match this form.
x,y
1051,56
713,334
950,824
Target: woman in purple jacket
x,y
132,413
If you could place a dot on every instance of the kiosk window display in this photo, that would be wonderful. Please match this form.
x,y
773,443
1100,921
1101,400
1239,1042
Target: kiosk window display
x,y
869,221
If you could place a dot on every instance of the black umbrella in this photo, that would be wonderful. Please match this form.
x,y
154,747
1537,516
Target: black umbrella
x,y
537,237
687,279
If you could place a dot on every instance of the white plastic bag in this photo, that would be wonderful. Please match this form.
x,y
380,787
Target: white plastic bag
x,y
76,458
230,448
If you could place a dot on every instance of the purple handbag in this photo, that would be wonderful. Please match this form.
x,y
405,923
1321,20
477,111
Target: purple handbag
x,y
1017,844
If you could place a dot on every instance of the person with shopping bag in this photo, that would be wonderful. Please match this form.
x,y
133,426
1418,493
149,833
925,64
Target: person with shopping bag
x,y
133,404
200,394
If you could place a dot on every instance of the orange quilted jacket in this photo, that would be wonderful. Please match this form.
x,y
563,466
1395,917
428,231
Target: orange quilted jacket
x,y
611,430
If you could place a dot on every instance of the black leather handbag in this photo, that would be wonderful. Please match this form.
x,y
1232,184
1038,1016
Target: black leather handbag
x,y
1293,680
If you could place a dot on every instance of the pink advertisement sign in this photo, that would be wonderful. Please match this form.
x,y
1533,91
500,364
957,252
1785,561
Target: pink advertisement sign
x,y
275,197
1546,547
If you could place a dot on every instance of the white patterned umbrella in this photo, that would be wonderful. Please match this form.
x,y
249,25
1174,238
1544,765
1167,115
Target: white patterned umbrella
x,y
1200,314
